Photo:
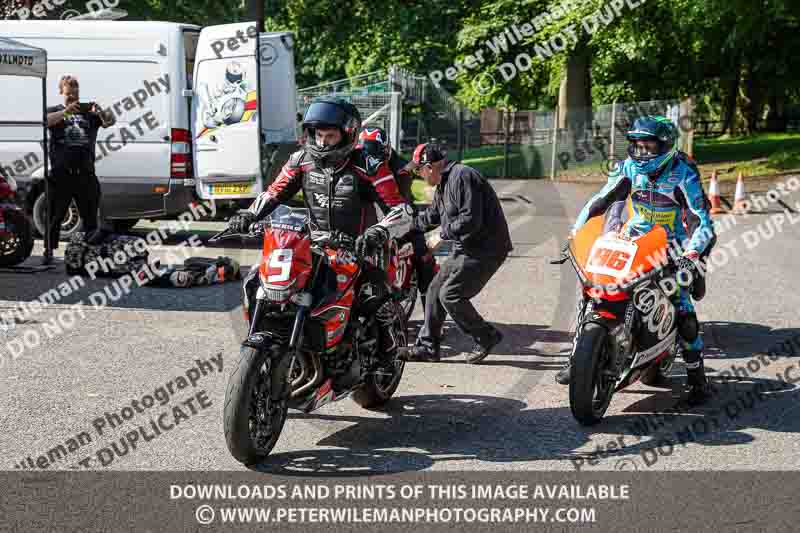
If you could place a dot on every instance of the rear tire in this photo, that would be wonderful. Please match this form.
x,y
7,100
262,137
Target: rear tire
x,y
256,403
589,395
379,388
410,302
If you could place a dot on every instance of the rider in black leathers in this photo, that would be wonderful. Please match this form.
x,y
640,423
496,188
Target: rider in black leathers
x,y
337,188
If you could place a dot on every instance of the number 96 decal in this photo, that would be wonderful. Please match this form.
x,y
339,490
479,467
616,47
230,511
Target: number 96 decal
x,y
611,257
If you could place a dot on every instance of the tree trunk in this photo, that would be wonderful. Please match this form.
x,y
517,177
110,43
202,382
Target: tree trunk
x,y
776,119
731,97
753,97
575,97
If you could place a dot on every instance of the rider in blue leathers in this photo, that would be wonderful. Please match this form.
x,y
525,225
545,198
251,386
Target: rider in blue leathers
x,y
663,186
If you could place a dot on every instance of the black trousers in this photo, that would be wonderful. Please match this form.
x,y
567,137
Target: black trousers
x,y
66,185
461,278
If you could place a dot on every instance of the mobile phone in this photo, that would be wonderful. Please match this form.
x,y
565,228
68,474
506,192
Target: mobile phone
x,y
84,107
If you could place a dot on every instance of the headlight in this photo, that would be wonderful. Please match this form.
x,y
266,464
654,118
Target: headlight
x,y
275,293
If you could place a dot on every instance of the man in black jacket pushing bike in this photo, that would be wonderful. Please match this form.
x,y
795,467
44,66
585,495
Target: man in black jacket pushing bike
x,y
466,208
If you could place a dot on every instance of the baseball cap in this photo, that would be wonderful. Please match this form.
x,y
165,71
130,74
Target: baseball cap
x,y
426,153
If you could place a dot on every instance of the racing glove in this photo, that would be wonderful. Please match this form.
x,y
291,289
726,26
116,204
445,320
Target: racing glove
x,y
371,240
687,267
241,222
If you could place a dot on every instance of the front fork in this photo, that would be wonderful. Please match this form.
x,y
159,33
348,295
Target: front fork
x,y
618,319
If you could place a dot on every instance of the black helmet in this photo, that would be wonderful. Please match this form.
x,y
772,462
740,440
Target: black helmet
x,y
331,113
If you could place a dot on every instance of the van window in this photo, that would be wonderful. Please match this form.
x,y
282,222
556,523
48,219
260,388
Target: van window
x,y
190,39
136,92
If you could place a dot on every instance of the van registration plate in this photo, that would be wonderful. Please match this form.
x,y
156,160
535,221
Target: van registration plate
x,y
230,188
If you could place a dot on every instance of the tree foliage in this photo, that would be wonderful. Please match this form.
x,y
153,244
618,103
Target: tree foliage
x,y
739,54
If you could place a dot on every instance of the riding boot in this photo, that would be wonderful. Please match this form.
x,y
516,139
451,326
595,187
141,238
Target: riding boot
x,y
699,389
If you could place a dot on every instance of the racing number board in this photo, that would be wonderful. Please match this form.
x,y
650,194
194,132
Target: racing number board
x,y
612,257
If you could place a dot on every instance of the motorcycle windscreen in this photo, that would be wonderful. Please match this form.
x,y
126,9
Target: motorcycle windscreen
x,y
225,113
279,102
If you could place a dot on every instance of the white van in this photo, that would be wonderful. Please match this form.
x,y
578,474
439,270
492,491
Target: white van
x,y
171,145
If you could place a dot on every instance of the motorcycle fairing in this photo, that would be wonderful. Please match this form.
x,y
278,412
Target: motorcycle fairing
x,y
650,251
336,308
286,259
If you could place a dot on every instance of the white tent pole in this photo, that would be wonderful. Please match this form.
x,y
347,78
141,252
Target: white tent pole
x,y
375,114
48,246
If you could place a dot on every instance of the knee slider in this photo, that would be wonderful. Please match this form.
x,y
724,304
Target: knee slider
x,y
688,327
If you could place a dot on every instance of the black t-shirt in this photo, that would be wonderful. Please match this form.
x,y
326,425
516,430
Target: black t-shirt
x,y
72,141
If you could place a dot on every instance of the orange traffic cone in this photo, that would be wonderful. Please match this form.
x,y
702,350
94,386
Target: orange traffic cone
x,y
714,196
740,203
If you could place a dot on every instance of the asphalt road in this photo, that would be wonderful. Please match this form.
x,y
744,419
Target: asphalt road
x,y
506,414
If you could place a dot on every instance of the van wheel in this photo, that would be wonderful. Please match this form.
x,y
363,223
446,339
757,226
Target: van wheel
x,y
71,224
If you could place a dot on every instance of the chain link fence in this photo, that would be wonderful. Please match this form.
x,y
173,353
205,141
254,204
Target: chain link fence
x,y
540,144
501,144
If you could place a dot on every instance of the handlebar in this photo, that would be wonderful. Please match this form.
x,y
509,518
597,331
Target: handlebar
x,y
256,230
564,255
334,240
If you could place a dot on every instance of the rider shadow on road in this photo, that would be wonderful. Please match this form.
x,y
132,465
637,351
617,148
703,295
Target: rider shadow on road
x,y
515,349
655,425
740,339
448,428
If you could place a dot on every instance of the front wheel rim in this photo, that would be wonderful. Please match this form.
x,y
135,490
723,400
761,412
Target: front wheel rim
x,y
602,385
261,421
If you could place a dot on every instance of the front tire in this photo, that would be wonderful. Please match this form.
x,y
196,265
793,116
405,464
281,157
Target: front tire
x,y
589,390
256,403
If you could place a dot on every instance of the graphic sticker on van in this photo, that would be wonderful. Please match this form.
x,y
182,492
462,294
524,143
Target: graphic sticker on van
x,y
233,101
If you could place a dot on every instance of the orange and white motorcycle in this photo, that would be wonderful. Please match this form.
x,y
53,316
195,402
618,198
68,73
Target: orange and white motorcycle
x,y
626,318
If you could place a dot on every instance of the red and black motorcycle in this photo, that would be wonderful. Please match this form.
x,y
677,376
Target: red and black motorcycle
x,y
16,231
313,337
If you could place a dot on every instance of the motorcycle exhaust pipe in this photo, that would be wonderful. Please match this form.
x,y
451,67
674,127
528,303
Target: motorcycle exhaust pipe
x,y
303,370
316,380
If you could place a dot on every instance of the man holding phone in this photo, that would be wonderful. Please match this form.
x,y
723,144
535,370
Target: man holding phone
x,y
73,134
